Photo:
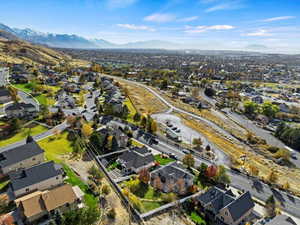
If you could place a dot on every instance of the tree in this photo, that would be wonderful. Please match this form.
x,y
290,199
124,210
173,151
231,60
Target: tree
x,y
272,177
153,126
86,130
95,173
112,143
189,160
137,117
195,92
13,93
111,213
211,171
283,154
286,186
269,110
222,176
202,169
77,148
105,189
250,108
144,121
144,175
15,125
253,170
83,216
210,92
197,142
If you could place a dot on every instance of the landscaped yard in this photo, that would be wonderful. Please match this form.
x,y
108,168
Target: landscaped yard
x,y
74,180
44,100
23,134
163,160
56,146
113,166
150,199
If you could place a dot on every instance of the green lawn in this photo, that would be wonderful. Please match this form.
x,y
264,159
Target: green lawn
x,y
145,193
23,87
24,132
3,183
148,206
56,146
197,219
113,166
44,100
163,161
74,180
131,109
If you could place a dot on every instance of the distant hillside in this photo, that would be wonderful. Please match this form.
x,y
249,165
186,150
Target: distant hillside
x,y
14,50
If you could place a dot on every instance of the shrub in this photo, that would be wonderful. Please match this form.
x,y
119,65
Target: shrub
x,y
111,213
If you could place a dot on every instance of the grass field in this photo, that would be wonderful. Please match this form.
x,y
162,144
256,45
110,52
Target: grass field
x,y
143,100
44,100
55,147
23,134
132,110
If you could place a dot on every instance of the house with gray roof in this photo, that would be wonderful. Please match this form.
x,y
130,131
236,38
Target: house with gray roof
x,y
22,109
281,220
135,159
4,96
21,157
36,178
225,207
173,177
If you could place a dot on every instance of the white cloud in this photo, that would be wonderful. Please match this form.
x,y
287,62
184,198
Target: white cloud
x,y
136,27
201,29
160,17
279,18
188,19
226,5
259,33
120,3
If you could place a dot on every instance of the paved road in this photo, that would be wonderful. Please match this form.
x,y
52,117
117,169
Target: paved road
x,y
290,204
258,189
61,127
271,140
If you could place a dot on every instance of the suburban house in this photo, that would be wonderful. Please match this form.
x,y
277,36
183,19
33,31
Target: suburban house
x,y
258,99
19,79
42,205
135,160
21,110
4,96
173,177
225,208
121,137
64,100
21,157
39,177
281,220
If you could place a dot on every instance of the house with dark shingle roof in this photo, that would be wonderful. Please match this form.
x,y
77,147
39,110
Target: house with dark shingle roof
x,y
135,160
4,96
173,177
225,207
39,177
21,110
21,157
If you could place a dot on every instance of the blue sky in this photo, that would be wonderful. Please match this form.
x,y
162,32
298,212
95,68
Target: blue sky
x,y
206,24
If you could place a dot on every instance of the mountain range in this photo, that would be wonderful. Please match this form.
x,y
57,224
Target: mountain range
x,y
75,41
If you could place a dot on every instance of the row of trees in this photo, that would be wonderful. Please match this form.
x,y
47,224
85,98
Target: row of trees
x,y
289,135
268,109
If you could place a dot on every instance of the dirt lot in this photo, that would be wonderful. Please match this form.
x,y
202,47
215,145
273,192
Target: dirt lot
x,y
144,101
